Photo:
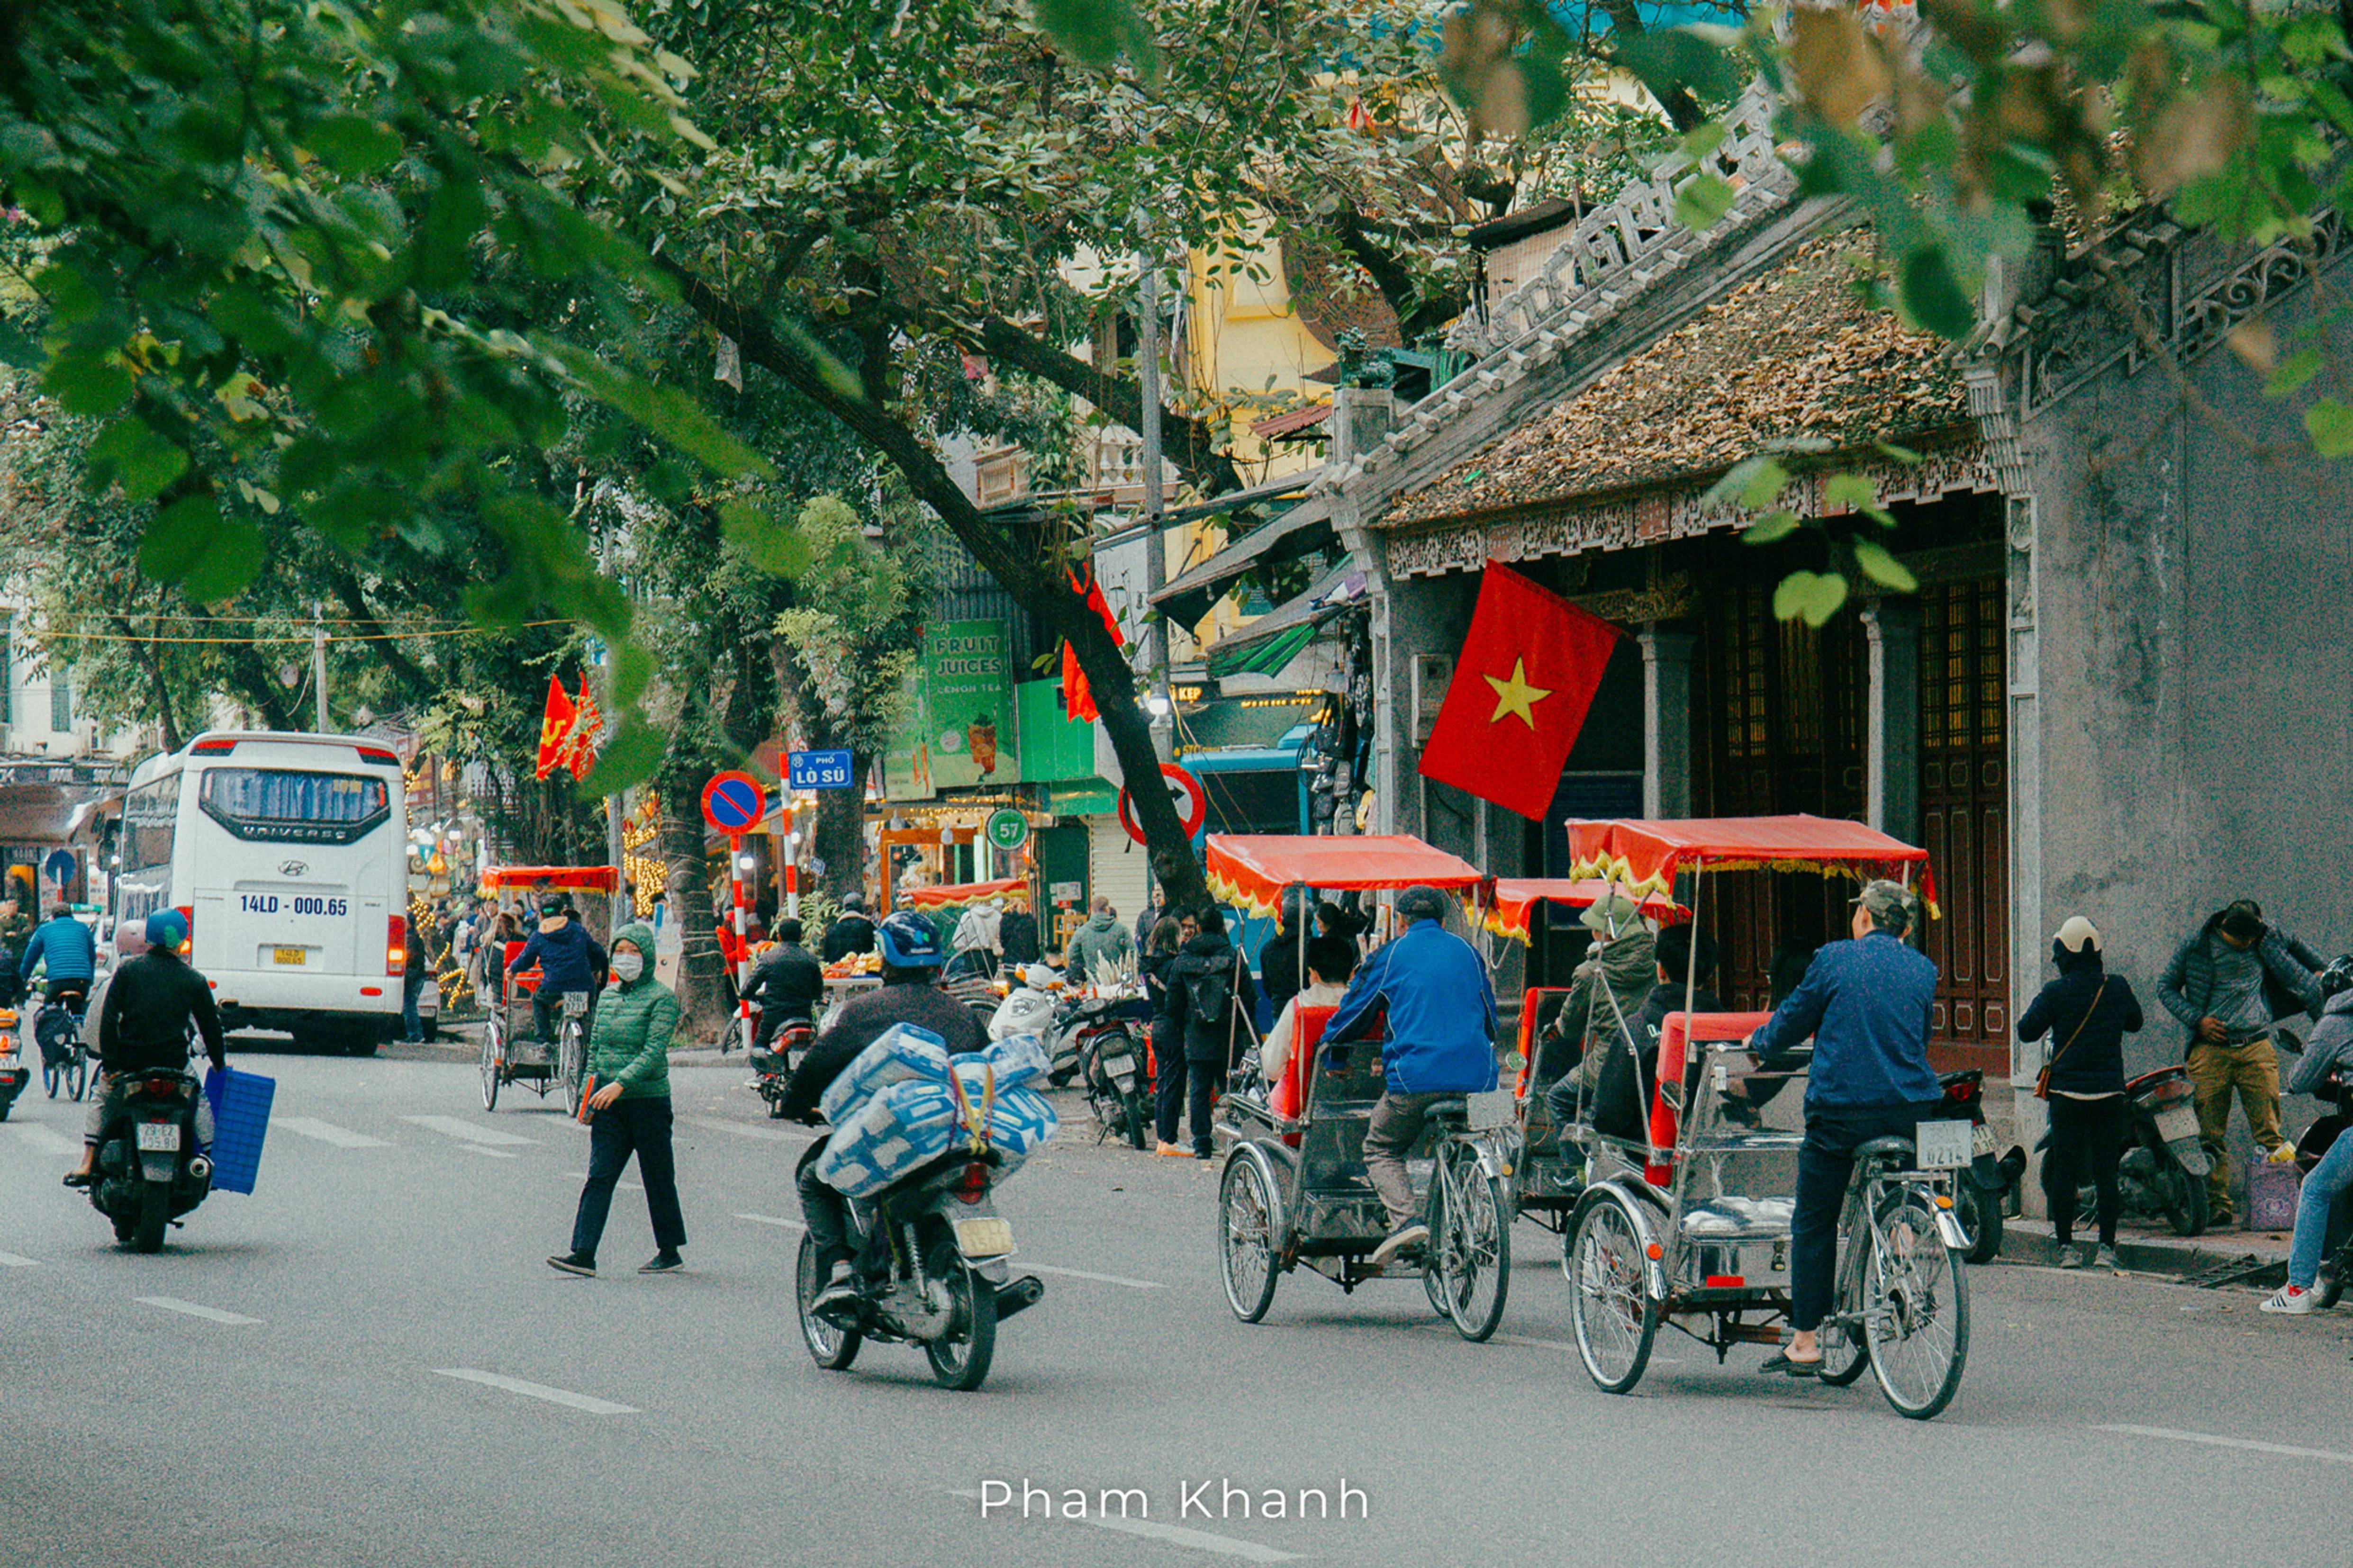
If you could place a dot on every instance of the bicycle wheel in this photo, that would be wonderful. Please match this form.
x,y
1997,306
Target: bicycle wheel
x,y
1617,1323
571,1064
491,1064
1249,1231
77,1074
1470,1244
50,1077
1916,1303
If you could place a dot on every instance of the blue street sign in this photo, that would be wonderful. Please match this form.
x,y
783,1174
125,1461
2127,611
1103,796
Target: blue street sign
x,y
59,865
817,770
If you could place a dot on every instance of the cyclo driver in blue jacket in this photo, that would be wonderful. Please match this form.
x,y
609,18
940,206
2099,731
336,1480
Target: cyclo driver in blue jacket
x,y
1866,1004
1440,1042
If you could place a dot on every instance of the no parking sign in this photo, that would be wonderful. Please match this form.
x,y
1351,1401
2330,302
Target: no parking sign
x,y
733,802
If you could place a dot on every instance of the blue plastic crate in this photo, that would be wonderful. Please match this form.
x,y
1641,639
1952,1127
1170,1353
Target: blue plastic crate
x,y
240,1122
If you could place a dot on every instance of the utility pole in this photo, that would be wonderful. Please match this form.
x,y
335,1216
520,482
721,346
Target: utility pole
x,y
319,663
615,853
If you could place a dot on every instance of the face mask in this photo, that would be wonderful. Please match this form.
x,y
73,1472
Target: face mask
x,y
628,966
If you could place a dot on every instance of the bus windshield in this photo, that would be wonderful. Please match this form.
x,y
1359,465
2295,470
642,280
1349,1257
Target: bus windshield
x,y
283,805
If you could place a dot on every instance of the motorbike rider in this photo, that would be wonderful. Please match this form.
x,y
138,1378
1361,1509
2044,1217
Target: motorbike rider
x,y
150,1002
909,994
2328,1053
788,986
66,946
568,960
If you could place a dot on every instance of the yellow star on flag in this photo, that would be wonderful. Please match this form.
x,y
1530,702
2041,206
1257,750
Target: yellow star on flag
x,y
1516,696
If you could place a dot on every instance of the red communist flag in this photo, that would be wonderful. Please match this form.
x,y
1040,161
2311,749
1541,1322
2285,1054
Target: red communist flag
x,y
554,728
1522,684
581,751
1077,700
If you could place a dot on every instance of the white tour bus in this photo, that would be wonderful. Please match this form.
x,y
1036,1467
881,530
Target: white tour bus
x,y
288,854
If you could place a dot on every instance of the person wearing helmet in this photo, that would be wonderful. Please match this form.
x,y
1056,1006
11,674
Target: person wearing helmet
x,y
568,960
852,932
143,1027
910,993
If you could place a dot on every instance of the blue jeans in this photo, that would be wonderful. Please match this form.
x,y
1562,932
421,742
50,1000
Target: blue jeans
x,y
2322,1186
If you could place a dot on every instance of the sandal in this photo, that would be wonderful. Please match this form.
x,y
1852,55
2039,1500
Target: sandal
x,y
1788,1365
80,1178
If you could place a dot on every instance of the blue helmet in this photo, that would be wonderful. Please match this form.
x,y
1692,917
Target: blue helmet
x,y
167,929
910,941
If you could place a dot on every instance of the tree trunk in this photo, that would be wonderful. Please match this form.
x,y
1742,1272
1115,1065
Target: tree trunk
x,y
839,838
702,1007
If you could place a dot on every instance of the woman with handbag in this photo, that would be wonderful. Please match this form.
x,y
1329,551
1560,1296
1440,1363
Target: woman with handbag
x,y
2088,1011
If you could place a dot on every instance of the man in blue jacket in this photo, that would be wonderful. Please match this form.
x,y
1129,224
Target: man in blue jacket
x,y
64,943
1440,1008
1866,1004
569,958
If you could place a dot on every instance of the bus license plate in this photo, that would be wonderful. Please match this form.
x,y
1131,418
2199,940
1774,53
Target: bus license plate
x,y
289,955
1943,1145
159,1137
985,1237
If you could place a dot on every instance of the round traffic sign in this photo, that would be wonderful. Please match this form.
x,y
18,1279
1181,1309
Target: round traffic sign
x,y
1007,828
733,802
1192,803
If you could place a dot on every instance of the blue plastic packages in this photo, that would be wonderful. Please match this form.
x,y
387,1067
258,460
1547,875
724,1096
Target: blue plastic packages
x,y
240,1102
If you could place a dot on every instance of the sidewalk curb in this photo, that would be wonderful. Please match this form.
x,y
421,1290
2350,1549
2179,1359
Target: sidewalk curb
x,y
2168,1258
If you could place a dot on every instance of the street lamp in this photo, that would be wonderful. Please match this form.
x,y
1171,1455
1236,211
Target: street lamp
x,y
1157,705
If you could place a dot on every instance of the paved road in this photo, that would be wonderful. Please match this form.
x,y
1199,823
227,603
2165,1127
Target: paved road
x,y
367,1362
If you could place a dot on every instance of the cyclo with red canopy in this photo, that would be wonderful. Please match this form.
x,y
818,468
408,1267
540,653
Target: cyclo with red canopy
x,y
1293,1192
512,1052
1689,1226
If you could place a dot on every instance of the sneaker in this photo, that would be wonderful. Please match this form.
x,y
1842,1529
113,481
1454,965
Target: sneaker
x,y
839,1297
2107,1258
2072,1256
1413,1234
574,1263
2294,1303
666,1261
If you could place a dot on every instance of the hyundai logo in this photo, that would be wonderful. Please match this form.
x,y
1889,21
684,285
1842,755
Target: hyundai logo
x,y
293,868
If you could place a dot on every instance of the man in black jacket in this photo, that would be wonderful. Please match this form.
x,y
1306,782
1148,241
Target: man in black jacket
x,y
143,1027
852,932
788,986
1211,998
912,955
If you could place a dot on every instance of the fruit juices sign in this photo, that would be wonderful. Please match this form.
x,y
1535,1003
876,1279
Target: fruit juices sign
x,y
958,729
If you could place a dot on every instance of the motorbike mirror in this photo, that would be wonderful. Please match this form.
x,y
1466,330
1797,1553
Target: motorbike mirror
x,y
1516,1062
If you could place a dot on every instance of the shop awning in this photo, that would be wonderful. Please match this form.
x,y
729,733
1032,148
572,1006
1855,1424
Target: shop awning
x,y
1511,913
1646,856
1252,871
1013,891
1302,530
1268,643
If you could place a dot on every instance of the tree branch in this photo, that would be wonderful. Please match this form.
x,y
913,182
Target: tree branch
x,y
1417,313
1188,443
1682,110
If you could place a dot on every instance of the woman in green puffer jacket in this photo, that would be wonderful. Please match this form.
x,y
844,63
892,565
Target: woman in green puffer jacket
x,y
628,1068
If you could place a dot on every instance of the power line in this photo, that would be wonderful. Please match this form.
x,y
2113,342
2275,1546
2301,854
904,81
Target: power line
x,y
303,636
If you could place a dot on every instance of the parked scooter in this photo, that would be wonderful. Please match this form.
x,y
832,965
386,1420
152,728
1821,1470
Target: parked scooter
x,y
1982,1199
929,1268
1115,1062
1029,1009
2164,1167
774,1065
13,1074
150,1171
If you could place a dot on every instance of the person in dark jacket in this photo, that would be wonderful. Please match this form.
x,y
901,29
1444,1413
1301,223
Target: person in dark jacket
x,y
910,993
1866,1004
1214,1032
2087,1013
1167,940
1279,973
151,1000
1622,1097
788,985
1017,933
568,960
851,932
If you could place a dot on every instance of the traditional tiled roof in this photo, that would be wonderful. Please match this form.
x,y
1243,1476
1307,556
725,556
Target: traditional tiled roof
x,y
1792,353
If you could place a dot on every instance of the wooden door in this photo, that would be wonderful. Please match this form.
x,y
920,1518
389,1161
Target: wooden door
x,y
1965,816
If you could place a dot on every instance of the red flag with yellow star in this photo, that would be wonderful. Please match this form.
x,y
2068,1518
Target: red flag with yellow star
x,y
1522,684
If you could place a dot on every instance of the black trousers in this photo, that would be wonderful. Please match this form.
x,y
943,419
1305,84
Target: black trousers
x,y
624,1127
826,1210
2086,1136
1825,1165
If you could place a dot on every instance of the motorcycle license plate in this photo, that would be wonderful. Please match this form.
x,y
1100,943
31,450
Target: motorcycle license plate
x,y
1489,1109
2179,1122
1981,1138
161,1137
294,955
983,1238
1943,1145
1120,1068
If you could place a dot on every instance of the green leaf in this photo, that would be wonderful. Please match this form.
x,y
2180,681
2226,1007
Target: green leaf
x,y
1856,493
2330,424
666,411
2293,372
1814,596
1681,58
137,459
1770,529
1764,486
176,537
86,384
1096,33
1934,297
352,144
632,667
630,757
775,548
1706,139
231,558
1884,568
1896,454
1703,202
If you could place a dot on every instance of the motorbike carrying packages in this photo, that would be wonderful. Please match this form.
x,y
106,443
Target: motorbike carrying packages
x,y
912,1120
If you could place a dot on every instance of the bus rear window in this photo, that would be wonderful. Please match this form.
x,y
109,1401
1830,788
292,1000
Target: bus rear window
x,y
280,805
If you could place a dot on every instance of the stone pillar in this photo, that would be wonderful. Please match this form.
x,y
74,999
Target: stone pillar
x,y
1666,722
2023,662
1890,766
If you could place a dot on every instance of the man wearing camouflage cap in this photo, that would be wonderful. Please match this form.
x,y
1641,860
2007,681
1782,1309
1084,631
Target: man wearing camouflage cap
x,y
1866,1004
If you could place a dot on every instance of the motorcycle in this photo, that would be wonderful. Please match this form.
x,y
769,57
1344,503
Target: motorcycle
x,y
1980,1200
773,1062
2164,1167
930,1269
1114,1064
13,1074
1030,1009
150,1170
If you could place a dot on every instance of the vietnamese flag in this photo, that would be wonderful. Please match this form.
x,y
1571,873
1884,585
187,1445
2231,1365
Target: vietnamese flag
x,y
1522,684
1078,702
554,729
580,751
